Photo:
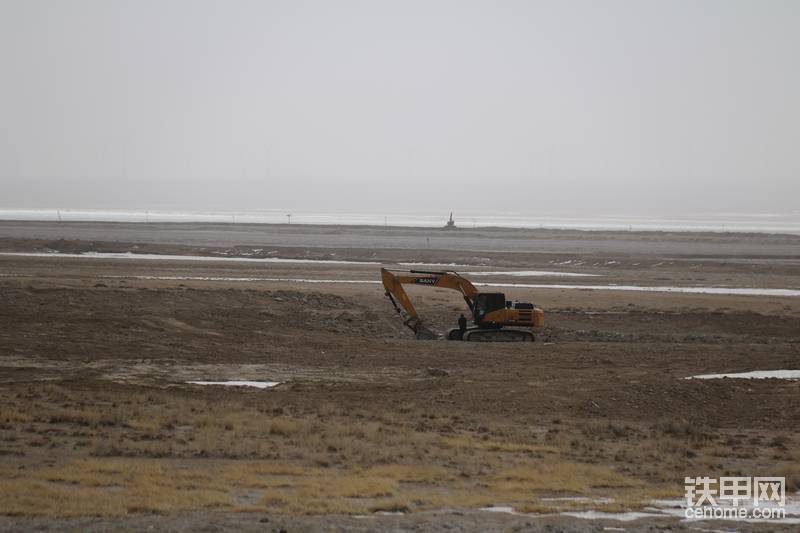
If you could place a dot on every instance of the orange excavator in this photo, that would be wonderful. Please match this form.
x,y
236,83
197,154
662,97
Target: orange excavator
x,y
491,312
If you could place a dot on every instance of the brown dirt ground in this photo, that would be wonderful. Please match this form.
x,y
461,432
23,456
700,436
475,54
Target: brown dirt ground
x,y
98,429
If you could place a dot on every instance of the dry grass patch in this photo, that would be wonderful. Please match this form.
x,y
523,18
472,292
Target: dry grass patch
x,y
95,488
555,476
465,441
409,473
285,427
12,416
152,451
115,486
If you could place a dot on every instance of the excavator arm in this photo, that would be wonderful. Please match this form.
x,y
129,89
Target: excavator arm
x,y
393,281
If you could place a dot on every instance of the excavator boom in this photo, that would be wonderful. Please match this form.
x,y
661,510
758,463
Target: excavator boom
x,y
393,283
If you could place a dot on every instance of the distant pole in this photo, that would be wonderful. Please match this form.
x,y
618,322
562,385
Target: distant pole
x,y
289,218
59,215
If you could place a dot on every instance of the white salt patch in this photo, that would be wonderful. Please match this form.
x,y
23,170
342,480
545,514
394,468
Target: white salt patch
x,y
580,499
533,273
662,509
621,517
756,374
432,264
690,290
677,507
256,384
749,291
167,257
220,278
500,509
662,503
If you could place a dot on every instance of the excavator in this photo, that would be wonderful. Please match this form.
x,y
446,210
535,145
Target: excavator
x,y
491,312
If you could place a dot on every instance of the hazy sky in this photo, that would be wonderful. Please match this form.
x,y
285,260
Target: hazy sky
x,y
623,107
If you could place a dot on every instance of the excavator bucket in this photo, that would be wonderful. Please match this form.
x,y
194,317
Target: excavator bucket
x,y
420,331
424,334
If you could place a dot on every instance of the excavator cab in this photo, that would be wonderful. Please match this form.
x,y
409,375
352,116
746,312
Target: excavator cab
x,y
486,302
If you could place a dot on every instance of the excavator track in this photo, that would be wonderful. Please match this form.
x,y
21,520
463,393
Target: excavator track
x,y
491,335
498,335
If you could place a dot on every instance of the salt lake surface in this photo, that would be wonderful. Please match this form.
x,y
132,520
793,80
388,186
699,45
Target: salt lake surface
x,y
715,222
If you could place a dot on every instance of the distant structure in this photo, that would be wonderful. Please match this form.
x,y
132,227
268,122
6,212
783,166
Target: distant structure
x,y
451,224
